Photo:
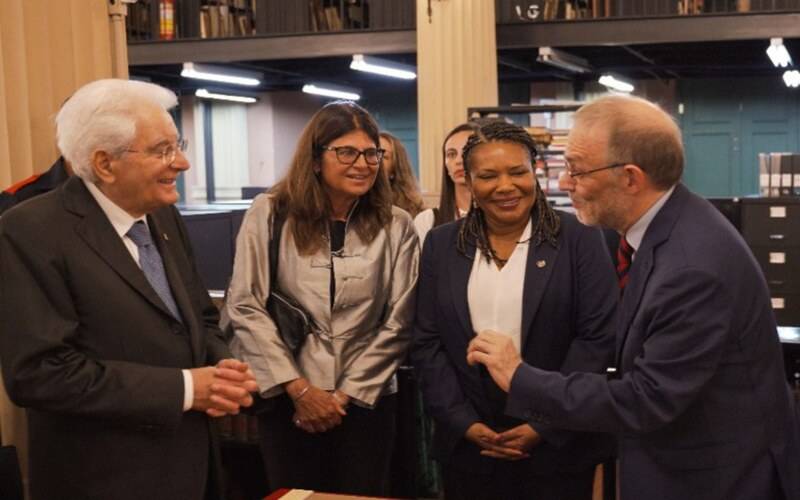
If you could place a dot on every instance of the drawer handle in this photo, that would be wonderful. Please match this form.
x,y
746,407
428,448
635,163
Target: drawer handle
x,y
776,236
777,282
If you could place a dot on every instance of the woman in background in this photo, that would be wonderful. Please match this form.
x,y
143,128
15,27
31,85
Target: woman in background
x,y
405,191
350,260
454,197
515,266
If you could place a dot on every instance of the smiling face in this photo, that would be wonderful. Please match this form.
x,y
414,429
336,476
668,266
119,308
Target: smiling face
x,y
345,183
138,181
502,182
453,148
597,197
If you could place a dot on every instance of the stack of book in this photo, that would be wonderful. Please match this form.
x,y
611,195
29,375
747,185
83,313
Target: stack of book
x,y
779,174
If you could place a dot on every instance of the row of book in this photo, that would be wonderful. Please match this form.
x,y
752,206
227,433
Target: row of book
x,y
225,21
779,174
547,10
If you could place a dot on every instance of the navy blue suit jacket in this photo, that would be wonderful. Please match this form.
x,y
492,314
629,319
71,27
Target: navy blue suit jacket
x,y
569,300
702,409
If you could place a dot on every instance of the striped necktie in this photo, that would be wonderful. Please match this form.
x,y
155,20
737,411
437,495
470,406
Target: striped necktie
x,y
624,258
152,265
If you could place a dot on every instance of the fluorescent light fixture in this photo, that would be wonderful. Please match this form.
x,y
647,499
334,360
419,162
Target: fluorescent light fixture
x,y
563,60
792,78
224,97
335,91
382,67
221,74
616,84
778,54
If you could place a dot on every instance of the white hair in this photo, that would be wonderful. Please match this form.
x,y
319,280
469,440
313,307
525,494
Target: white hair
x,y
101,116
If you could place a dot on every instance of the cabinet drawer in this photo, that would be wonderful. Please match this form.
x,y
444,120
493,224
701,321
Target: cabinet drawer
x,y
786,307
781,267
769,223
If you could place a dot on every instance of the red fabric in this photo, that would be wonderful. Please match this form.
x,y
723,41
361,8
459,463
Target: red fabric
x,y
21,184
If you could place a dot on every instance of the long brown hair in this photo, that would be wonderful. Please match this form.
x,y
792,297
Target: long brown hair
x,y
546,223
447,195
405,191
301,196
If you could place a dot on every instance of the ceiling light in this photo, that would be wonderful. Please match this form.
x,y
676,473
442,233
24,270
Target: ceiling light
x,y
792,78
563,60
221,74
778,54
328,90
616,83
382,67
224,97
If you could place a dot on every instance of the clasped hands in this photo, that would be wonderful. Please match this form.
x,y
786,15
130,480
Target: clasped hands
x,y
316,410
223,389
497,353
513,444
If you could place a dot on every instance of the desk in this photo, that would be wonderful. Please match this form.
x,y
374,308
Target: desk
x,y
297,494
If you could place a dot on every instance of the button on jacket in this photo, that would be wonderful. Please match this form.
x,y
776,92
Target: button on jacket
x,y
362,337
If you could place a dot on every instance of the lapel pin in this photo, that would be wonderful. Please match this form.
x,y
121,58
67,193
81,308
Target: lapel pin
x,y
166,238
541,263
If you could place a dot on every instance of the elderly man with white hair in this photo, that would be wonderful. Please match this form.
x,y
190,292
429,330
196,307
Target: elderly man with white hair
x,y
108,337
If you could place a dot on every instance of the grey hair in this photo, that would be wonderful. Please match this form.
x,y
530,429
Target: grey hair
x,y
101,116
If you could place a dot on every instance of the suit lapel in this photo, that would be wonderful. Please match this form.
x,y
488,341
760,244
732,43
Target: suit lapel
x,y
539,267
96,230
644,260
460,268
179,293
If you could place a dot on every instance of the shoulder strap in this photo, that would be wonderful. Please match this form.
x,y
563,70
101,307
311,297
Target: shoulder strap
x,y
278,220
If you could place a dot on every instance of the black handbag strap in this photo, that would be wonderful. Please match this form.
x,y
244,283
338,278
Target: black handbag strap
x,y
278,220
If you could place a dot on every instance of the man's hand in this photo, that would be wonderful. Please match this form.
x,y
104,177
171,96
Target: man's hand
x,y
223,389
316,410
497,352
491,443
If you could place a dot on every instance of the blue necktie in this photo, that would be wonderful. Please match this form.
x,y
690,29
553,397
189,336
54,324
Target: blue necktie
x,y
152,265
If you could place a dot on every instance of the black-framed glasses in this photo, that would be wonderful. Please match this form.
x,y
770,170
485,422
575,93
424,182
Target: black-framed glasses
x,y
348,155
168,153
574,174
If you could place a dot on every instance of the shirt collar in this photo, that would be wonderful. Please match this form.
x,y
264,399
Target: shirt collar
x,y
119,218
635,234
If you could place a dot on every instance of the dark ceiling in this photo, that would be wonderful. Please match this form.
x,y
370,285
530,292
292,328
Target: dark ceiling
x,y
728,59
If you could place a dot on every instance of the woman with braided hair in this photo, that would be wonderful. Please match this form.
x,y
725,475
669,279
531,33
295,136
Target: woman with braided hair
x,y
515,266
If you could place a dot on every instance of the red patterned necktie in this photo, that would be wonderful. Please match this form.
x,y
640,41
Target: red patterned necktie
x,y
624,256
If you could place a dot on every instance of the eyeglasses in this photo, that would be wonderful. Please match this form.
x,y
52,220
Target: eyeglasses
x,y
348,155
168,152
574,174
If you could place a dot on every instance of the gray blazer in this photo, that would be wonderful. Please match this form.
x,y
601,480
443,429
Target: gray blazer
x,y
361,339
702,410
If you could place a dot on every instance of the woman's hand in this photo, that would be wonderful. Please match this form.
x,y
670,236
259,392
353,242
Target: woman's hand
x,y
316,410
522,437
491,443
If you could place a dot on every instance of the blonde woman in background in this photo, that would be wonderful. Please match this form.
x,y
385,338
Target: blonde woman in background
x,y
396,164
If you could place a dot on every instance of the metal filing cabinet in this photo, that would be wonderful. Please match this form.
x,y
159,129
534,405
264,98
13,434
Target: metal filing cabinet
x,y
771,227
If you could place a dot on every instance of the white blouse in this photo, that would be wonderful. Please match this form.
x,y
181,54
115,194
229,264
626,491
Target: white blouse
x,y
424,220
494,295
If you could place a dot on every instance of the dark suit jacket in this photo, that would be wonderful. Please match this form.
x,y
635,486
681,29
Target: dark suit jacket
x,y
95,356
34,185
702,409
569,300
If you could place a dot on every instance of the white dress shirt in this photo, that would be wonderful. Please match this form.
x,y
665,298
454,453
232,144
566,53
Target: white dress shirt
x,y
424,220
122,222
635,234
495,295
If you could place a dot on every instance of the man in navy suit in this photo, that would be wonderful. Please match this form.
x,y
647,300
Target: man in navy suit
x,y
701,406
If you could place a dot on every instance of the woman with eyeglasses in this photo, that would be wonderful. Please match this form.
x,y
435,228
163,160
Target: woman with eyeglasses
x,y
350,260
397,167
454,197
515,266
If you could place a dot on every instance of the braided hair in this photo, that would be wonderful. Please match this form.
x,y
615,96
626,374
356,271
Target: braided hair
x,y
546,223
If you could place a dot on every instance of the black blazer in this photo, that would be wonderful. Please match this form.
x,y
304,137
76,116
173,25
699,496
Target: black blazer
x,y
703,410
90,350
569,300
